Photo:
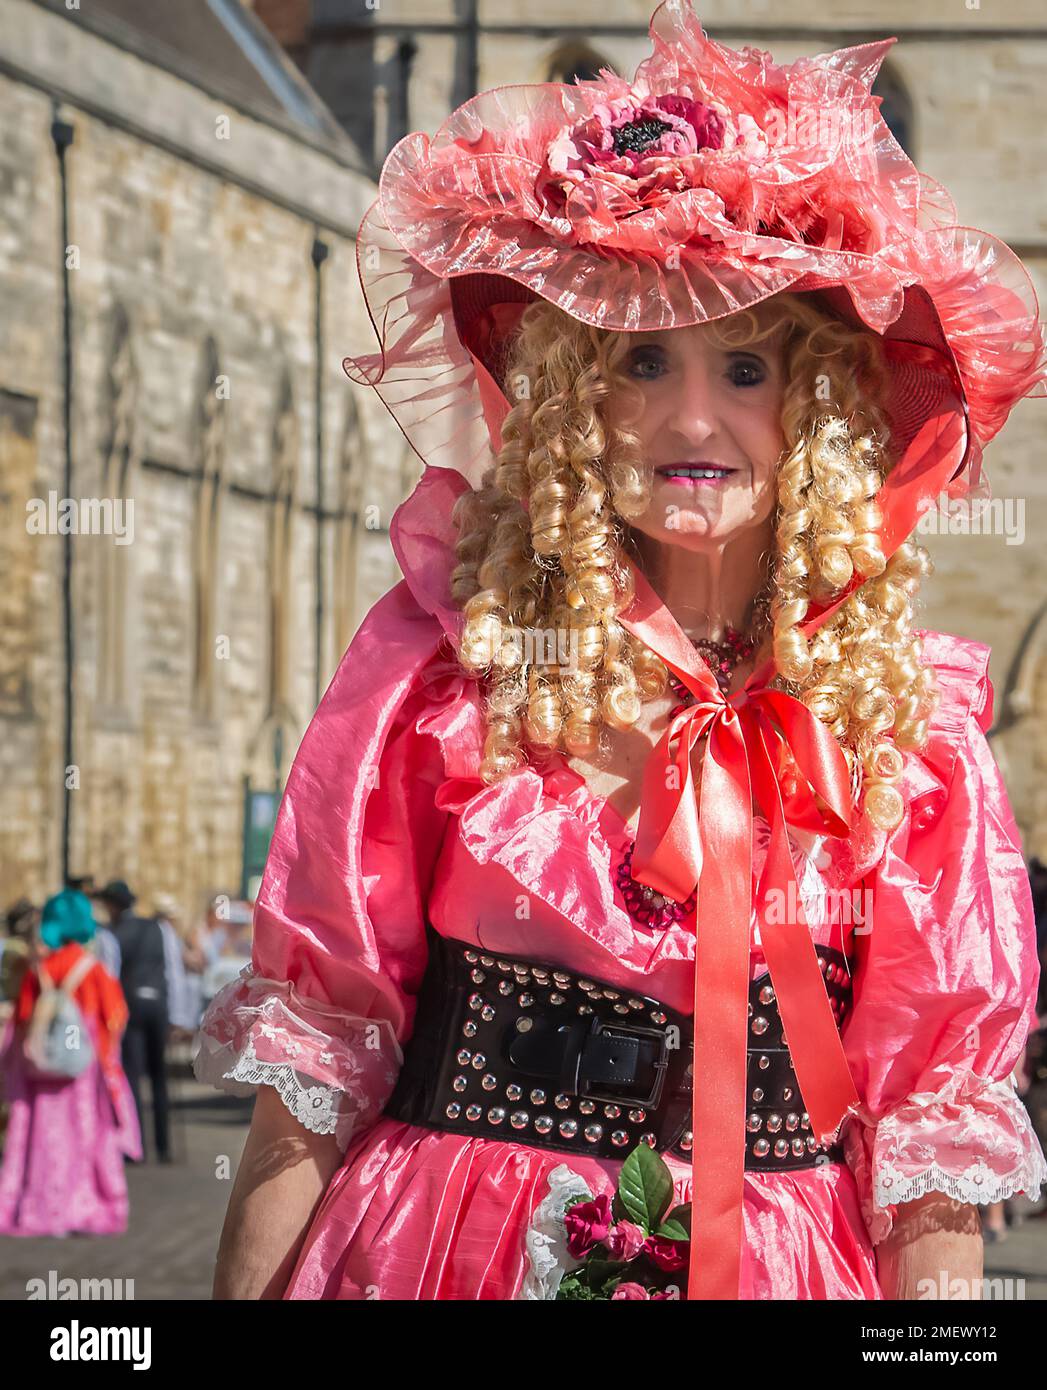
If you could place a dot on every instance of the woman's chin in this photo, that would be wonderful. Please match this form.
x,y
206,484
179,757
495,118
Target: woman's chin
x,y
690,530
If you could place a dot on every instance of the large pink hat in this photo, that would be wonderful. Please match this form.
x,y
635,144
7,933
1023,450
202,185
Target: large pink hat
x,y
710,182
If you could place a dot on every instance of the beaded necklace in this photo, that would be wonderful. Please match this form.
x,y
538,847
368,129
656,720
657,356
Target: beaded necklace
x,y
721,659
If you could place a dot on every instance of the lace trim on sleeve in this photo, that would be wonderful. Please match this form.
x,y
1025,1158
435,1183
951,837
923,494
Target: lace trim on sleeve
x,y
334,1071
972,1140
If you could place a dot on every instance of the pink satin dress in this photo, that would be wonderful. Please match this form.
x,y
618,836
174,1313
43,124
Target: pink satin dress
x,y
385,823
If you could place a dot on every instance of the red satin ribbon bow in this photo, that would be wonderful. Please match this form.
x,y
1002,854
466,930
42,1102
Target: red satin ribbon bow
x,y
766,744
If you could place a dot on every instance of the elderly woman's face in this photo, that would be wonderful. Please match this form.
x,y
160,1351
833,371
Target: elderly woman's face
x,y
710,431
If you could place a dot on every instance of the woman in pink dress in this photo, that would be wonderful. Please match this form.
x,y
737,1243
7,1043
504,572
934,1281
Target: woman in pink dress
x,y
645,914
63,1163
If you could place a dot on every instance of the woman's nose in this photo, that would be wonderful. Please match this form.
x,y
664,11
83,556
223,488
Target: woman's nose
x,y
693,416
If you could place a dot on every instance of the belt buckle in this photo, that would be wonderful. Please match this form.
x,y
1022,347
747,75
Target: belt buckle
x,y
661,1067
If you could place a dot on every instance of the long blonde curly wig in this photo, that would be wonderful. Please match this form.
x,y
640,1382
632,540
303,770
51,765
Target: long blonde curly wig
x,y
542,544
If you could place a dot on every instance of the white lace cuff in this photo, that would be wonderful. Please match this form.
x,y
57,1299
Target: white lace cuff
x,y
333,1070
972,1140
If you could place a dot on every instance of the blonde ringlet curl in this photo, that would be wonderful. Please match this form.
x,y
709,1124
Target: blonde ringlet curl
x,y
542,544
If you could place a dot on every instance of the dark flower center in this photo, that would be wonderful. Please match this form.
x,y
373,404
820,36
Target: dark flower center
x,y
639,135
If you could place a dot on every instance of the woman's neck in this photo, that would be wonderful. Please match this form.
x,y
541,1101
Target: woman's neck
x,y
708,590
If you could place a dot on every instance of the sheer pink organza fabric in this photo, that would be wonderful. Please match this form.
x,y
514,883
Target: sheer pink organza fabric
x,y
385,822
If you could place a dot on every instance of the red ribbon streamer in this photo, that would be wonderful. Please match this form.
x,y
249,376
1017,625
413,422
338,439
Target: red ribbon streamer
x,y
687,839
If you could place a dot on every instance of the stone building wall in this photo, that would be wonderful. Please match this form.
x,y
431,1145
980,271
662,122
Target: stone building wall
x,y
188,264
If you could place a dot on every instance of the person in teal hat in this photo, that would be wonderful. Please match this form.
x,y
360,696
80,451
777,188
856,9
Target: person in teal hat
x,y
67,1137
20,927
68,916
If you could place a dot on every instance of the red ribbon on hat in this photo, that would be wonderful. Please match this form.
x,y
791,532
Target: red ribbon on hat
x,y
757,740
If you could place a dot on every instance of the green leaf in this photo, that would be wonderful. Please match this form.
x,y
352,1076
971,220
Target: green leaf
x,y
571,1287
598,1271
677,1225
645,1186
607,1289
671,1230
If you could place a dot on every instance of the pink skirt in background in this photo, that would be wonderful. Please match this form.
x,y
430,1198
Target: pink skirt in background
x,y
63,1160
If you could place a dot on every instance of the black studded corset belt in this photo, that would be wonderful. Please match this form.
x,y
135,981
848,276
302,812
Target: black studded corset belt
x,y
506,1048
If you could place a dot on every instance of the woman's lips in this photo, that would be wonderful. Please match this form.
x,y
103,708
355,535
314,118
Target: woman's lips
x,y
695,475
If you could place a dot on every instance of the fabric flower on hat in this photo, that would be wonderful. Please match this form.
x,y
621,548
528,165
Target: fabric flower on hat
x,y
777,170
638,144
738,144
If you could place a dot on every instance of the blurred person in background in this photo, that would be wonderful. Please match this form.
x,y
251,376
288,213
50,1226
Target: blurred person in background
x,y
153,981
1038,887
186,1016
227,942
1000,1215
104,944
20,923
72,1120
1035,1058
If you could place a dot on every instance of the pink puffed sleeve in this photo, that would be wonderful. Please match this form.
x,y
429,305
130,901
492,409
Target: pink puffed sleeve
x,y
945,985
339,945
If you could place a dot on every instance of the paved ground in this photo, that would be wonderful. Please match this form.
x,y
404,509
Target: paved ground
x,y
177,1212
1022,1256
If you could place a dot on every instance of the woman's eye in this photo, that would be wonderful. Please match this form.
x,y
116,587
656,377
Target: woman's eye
x,y
747,371
647,366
